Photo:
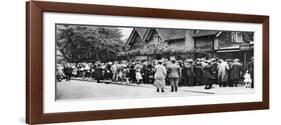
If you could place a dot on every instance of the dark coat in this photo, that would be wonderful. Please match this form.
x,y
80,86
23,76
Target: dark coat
x,y
251,67
145,73
108,73
132,73
98,73
207,74
235,71
198,71
68,70
189,72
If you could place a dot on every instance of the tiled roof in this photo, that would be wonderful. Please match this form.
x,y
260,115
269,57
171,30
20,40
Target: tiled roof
x,y
201,33
171,34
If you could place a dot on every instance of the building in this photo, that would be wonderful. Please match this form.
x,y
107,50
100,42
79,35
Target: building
x,y
157,43
238,45
225,44
206,43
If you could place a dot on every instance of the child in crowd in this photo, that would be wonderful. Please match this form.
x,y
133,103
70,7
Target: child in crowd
x,y
247,79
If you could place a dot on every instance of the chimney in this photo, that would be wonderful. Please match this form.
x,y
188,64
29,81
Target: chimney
x,y
189,40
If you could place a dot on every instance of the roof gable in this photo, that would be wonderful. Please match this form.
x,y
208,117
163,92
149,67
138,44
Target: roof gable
x,y
141,31
137,31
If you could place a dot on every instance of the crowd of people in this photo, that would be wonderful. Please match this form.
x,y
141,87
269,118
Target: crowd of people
x,y
163,72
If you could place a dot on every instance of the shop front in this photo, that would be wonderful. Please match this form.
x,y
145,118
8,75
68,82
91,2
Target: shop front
x,y
243,52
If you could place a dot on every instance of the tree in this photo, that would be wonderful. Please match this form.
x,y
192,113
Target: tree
x,y
88,43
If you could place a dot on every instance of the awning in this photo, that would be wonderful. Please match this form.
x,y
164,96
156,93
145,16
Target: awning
x,y
234,50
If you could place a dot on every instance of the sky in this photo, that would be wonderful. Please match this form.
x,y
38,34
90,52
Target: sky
x,y
125,32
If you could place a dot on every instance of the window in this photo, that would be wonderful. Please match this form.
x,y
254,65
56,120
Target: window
x,y
156,38
236,37
233,39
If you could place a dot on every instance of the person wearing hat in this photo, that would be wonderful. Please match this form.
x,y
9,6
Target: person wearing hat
x,y
114,69
215,64
68,71
208,75
98,73
223,73
184,78
235,72
198,72
251,71
159,76
59,72
173,75
190,73
187,73
108,73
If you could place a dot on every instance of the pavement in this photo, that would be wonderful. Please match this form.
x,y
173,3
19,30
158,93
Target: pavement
x,y
90,89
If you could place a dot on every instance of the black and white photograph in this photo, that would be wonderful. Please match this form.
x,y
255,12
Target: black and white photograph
x,y
115,62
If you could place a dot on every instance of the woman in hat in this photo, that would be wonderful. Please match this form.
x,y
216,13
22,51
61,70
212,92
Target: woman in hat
x,y
159,76
138,75
59,73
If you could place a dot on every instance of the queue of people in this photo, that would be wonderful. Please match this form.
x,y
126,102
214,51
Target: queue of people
x,y
163,72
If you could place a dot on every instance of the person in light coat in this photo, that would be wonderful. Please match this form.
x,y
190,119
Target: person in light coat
x,y
114,70
159,76
59,74
223,73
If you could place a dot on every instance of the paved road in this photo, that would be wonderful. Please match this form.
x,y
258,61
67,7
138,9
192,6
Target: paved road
x,y
77,89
